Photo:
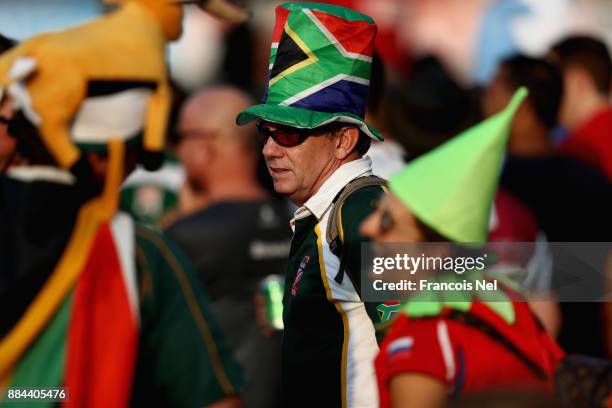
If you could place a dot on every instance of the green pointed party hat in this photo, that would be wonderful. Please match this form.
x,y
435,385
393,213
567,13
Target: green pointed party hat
x,y
451,188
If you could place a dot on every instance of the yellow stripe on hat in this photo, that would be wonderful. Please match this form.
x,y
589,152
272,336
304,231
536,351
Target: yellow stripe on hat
x,y
311,57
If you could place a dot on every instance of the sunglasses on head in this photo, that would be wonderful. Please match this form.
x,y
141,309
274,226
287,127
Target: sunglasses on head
x,y
289,136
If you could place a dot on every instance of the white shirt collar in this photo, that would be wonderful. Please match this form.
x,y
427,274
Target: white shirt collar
x,y
319,203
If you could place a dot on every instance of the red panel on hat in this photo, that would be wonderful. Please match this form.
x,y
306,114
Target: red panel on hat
x,y
354,36
281,19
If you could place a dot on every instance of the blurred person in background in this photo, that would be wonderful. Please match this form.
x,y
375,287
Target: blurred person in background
x,y
315,140
586,112
569,199
531,130
236,235
442,346
7,143
91,301
431,108
205,141
40,207
388,157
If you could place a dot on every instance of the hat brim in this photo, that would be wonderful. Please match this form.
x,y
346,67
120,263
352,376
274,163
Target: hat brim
x,y
303,118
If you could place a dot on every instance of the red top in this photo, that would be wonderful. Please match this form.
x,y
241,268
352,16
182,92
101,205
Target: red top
x,y
592,142
465,358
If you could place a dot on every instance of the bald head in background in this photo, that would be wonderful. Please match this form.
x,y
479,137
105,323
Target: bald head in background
x,y
237,236
220,158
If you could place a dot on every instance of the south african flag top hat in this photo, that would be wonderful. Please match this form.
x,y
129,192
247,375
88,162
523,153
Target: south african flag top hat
x,y
320,65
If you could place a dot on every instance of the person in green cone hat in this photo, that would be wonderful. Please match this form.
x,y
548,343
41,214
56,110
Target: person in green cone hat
x,y
311,122
435,349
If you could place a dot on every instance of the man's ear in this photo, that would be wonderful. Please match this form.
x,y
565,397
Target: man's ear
x,y
347,140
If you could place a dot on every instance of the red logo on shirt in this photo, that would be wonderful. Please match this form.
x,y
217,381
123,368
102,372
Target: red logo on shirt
x,y
298,276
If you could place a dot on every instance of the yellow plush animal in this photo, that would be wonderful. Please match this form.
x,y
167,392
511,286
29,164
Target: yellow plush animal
x,y
102,80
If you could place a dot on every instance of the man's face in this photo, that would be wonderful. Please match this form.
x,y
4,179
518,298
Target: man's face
x,y
497,95
299,171
194,148
193,152
208,134
392,221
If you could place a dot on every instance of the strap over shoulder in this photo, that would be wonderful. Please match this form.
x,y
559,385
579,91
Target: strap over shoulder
x,y
333,224
333,229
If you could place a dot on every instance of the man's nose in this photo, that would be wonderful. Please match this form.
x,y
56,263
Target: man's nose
x,y
272,149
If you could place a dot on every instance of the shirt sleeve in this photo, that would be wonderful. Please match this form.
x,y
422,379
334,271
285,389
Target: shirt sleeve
x,y
416,346
183,360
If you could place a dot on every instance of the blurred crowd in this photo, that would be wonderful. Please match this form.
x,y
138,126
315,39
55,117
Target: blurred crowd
x,y
555,182
215,199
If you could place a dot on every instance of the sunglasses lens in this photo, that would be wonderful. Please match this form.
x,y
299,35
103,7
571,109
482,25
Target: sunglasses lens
x,y
386,221
283,137
263,132
287,138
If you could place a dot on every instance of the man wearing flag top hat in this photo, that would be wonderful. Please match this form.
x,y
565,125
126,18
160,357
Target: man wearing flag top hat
x,y
439,346
311,123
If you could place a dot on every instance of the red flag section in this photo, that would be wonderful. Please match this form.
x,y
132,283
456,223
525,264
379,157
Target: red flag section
x,y
279,27
353,36
103,332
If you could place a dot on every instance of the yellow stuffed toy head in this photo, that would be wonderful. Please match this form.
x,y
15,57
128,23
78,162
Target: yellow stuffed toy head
x,y
171,12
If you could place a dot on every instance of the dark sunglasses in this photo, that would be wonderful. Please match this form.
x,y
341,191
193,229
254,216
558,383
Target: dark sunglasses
x,y
289,136
386,221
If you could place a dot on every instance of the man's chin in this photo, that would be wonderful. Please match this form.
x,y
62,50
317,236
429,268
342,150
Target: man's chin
x,y
282,187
